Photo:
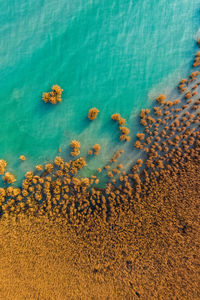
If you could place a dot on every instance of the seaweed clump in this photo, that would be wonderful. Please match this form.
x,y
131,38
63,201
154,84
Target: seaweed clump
x,y
9,178
75,148
54,96
3,165
124,130
92,114
22,157
161,98
95,150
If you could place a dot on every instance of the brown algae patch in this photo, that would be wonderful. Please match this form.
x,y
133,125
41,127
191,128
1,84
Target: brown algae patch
x,y
75,145
92,114
3,165
54,96
124,130
146,246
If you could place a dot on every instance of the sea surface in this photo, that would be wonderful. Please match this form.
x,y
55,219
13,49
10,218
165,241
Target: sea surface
x,y
116,55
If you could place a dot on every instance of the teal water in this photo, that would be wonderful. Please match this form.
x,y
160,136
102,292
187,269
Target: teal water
x,y
114,55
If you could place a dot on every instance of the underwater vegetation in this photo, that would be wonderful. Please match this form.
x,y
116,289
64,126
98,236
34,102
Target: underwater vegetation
x,y
54,96
92,114
124,130
3,165
22,157
63,236
9,177
171,133
75,148
95,150
110,240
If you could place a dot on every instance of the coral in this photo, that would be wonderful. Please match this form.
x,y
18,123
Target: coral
x,y
92,114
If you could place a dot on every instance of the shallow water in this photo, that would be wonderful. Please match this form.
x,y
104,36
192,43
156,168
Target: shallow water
x,y
115,55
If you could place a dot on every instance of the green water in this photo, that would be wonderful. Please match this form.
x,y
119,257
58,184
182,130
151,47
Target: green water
x,y
114,55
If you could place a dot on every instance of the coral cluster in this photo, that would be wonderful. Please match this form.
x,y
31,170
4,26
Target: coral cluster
x,y
54,96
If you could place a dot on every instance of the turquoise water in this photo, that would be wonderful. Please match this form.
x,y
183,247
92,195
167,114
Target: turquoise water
x,y
114,55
